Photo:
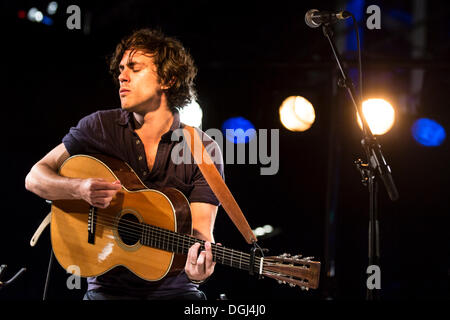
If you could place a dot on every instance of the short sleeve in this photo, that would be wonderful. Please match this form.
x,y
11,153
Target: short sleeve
x,y
86,137
202,191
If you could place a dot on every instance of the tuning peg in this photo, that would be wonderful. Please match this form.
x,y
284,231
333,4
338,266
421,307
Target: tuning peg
x,y
291,285
284,255
308,258
297,256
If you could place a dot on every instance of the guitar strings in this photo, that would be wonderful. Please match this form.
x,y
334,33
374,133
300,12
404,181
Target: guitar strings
x,y
189,240
167,233
134,230
161,237
224,259
233,260
158,234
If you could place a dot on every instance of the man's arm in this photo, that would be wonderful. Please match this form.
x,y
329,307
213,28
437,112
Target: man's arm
x,y
44,180
201,266
203,218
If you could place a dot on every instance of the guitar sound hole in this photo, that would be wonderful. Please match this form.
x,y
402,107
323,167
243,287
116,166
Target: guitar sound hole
x,y
129,229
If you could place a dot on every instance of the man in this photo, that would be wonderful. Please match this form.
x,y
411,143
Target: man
x,y
155,76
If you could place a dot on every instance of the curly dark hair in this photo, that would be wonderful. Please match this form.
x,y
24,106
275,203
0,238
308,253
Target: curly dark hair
x,y
174,64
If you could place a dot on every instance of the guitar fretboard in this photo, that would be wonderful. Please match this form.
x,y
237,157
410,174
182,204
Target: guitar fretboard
x,y
179,243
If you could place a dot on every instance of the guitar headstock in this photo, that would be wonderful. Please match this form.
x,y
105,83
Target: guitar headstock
x,y
293,270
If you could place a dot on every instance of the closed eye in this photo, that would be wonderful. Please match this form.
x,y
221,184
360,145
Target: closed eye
x,y
134,66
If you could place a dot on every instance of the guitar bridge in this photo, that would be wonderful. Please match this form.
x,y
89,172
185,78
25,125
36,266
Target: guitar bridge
x,y
92,221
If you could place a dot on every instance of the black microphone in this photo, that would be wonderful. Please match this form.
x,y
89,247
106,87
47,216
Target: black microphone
x,y
314,18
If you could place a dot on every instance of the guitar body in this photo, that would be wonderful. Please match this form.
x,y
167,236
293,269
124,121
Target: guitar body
x,y
115,239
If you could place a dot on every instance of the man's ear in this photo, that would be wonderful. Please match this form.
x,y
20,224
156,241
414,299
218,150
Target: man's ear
x,y
168,85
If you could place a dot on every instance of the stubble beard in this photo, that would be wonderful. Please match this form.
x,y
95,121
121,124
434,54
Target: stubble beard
x,y
143,107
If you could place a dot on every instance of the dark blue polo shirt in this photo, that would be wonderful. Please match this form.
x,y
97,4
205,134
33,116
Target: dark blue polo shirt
x,y
111,132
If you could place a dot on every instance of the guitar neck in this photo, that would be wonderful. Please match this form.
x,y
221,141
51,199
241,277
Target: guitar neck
x,y
179,243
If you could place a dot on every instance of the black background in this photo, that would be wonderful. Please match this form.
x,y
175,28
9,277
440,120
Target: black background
x,y
250,56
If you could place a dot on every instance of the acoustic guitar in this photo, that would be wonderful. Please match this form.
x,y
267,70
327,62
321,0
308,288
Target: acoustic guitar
x,y
148,231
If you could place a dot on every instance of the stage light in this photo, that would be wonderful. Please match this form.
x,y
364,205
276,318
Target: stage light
x,y
52,7
266,231
32,14
21,14
192,114
47,21
297,113
38,16
428,132
380,115
268,228
240,130
259,231
35,15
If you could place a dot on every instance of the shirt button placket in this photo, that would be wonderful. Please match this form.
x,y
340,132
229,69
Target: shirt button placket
x,y
138,142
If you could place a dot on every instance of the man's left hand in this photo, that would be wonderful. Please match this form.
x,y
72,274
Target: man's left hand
x,y
199,267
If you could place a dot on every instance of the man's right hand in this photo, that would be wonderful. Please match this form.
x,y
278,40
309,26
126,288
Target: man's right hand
x,y
44,180
98,192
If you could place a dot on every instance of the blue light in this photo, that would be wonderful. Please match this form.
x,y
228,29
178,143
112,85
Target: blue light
x,y
428,132
47,20
239,125
357,8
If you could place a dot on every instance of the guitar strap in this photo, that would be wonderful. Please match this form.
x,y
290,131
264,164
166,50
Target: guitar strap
x,y
216,183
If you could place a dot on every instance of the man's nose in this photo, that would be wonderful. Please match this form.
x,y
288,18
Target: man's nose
x,y
123,76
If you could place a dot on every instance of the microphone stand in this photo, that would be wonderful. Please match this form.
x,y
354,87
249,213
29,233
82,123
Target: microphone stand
x,y
375,166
